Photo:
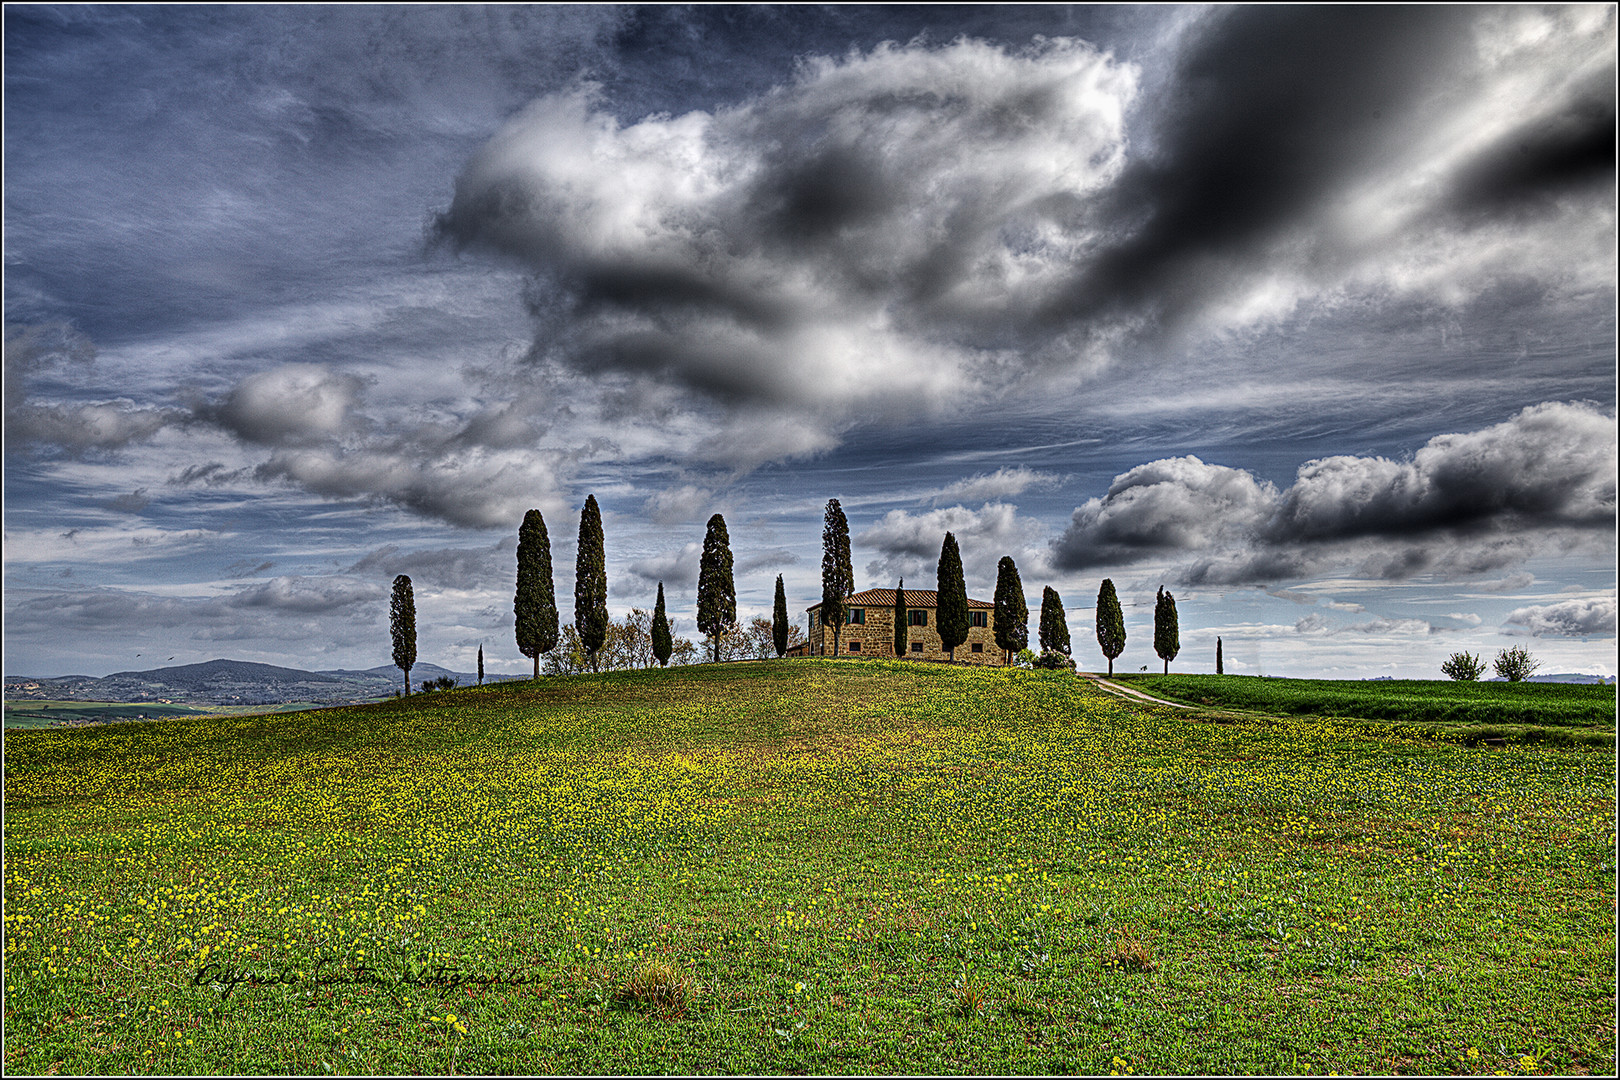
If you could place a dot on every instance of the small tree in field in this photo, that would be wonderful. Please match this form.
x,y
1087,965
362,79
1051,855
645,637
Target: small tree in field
x,y
402,623
590,582
1515,664
1110,623
902,633
663,643
1054,626
779,619
837,570
1166,629
1220,665
951,615
1464,667
480,664
717,594
1012,610
535,604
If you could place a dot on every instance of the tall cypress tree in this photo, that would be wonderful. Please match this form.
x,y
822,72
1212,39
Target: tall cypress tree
x,y
1166,628
1054,627
663,643
901,632
480,663
590,581
779,619
717,595
535,604
402,625
1110,623
952,611
1220,665
1012,610
837,572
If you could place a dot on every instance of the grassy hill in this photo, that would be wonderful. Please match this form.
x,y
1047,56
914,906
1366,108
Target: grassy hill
x,y
809,865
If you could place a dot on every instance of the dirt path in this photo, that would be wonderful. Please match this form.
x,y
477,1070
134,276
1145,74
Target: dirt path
x,y
1126,692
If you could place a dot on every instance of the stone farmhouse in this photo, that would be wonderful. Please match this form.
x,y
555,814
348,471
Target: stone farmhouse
x,y
869,628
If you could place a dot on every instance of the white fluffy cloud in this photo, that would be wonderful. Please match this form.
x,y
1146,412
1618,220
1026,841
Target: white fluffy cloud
x,y
909,544
1593,617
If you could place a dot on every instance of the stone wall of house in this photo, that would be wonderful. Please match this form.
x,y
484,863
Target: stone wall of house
x,y
875,637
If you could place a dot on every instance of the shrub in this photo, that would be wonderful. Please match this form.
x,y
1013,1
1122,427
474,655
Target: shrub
x,y
1464,667
1515,664
1025,658
1054,661
656,985
443,682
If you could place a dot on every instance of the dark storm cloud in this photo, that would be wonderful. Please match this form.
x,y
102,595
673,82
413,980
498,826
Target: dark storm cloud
x,y
1271,109
1464,504
1568,148
913,229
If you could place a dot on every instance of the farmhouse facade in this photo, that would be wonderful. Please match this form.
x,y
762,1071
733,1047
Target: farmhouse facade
x,y
869,628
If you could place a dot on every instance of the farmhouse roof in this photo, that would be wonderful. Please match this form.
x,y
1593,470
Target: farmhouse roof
x,y
915,598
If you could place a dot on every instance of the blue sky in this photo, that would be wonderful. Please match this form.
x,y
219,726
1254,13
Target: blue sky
x,y
1307,314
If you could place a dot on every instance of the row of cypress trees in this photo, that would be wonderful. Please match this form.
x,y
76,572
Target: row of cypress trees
x,y
537,631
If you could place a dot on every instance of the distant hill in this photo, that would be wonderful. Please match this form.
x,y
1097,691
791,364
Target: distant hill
x,y
1566,677
233,682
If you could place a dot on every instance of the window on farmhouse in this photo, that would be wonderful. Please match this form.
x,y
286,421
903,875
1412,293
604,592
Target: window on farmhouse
x,y
977,618
916,617
978,646
854,646
812,620
857,615
916,646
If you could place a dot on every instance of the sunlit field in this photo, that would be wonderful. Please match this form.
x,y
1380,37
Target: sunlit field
x,y
805,865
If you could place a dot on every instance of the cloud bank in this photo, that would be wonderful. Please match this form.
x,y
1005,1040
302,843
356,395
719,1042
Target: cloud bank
x,y
1465,503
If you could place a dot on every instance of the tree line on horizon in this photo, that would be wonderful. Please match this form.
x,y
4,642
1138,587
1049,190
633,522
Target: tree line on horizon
x,y
643,638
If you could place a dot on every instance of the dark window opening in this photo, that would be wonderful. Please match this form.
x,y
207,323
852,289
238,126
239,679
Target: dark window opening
x,y
916,617
916,646
854,646
977,618
857,616
978,646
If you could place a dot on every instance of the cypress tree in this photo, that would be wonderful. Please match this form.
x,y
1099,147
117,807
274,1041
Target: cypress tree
x,y
663,643
1166,629
1054,627
402,624
837,573
1110,623
901,633
480,663
779,619
717,595
1220,667
1012,610
535,604
952,611
590,581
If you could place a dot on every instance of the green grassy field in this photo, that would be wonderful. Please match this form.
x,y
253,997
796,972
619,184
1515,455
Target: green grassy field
x,y
809,865
1568,712
25,713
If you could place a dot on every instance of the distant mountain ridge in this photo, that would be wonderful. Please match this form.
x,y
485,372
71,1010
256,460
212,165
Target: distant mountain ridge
x,y
234,682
